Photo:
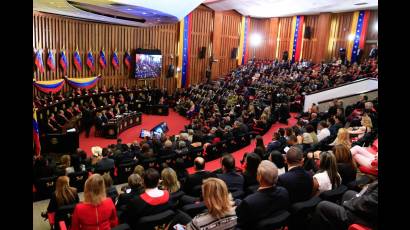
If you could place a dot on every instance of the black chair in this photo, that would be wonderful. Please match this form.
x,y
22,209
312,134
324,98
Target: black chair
x,y
174,198
63,213
77,180
122,227
251,189
45,187
277,220
125,170
301,213
358,184
334,195
152,221
239,194
194,209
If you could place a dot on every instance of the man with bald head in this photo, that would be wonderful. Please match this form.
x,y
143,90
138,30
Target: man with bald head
x,y
296,180
265,202
195,180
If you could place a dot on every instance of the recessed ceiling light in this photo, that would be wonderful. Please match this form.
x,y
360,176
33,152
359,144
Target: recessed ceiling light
x,y
158,20
360,3
144,13
129,9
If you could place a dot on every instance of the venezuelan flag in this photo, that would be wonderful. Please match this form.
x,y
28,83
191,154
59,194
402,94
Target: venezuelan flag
x,y
127,60
83,83
50,60
295,46
39,61
115,62
358,29
63,62
102,60
53,86
244,41
36,134
77,60
90,61
186,29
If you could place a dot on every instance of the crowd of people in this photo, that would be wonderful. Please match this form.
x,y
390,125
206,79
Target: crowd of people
x,y
321,152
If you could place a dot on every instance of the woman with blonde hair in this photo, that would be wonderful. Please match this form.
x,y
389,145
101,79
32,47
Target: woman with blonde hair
x,y
343,138
221,213
366,127
65,166
170,180
97,211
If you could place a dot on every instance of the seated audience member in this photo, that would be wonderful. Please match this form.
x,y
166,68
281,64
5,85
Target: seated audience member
x,y
278,159
181,171
104,164
65,167
293,141
282,138
275,143
314,120
345,164
135,188
139,169
76,163
63,195
298,128
167,150
327,178
338,123
61,118
97,211
322,130
233,180
120,146
252,162
309,137
343,138
261,145
196,178
366,127
266,201
364,157
151,202
221,213
42,168
296,180
110,189
356,207
170,180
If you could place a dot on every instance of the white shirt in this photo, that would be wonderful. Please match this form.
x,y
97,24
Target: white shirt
x,y
281,171
154,192
322,134
324,181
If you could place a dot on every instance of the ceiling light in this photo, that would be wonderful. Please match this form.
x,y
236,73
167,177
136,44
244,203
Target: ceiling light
x,y
376,26
52,3
360,3
350,37
144,13
129,9
256,40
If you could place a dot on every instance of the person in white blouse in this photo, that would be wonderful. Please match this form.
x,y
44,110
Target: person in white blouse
x,y
322,131
327,178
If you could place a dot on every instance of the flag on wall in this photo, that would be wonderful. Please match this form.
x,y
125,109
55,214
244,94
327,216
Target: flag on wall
x,y
90,61
63,61
187,28
127,60
83,83
51,63
102,60
36,134
52,86
244,41
296,40
77,60
39,60
358,29
115,62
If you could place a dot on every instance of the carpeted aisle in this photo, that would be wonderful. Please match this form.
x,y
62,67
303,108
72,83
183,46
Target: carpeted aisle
x,y
215,164
175,122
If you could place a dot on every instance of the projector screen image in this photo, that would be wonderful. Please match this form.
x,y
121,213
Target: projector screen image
x,y
148,65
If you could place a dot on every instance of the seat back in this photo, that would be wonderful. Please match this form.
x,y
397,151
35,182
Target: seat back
x,y
334,195
64,213
77,180
301,212
277,220
45,186
122,227
194,209
152,221
125,170
175,197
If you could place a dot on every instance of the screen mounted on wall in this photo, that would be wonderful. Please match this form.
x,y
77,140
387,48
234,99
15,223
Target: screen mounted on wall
x,y
148,64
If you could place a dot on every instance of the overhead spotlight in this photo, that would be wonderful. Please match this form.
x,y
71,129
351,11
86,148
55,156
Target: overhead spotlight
x,y
376,26
256,40
129,9
350,37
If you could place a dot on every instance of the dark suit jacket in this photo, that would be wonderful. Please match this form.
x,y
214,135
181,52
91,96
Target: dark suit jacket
x,y
274,145
195,180
233,180
260,205
347,172
105,164
299,184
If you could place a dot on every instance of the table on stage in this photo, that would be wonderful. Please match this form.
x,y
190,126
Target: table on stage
x,y
120,123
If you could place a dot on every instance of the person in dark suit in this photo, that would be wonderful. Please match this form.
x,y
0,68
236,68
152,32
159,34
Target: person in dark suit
x,y
356,207
233,180
99,122
105,164
268,200
196,179
314,120
297,181
275,144
87,120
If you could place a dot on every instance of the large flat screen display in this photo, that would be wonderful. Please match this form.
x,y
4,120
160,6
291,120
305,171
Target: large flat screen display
x,y
148,64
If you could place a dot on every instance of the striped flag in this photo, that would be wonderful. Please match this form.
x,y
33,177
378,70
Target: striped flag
x,y
77,60
39,61
51,63
102,60
63,61
127,60
90,61
36,134
115,62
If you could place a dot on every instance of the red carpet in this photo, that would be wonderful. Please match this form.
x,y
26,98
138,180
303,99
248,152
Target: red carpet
x,y
175,123
215,164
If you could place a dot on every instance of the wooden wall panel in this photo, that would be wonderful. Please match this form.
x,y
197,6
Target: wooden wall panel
x,y
284,36
57,32
309,46
340,28
372,34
